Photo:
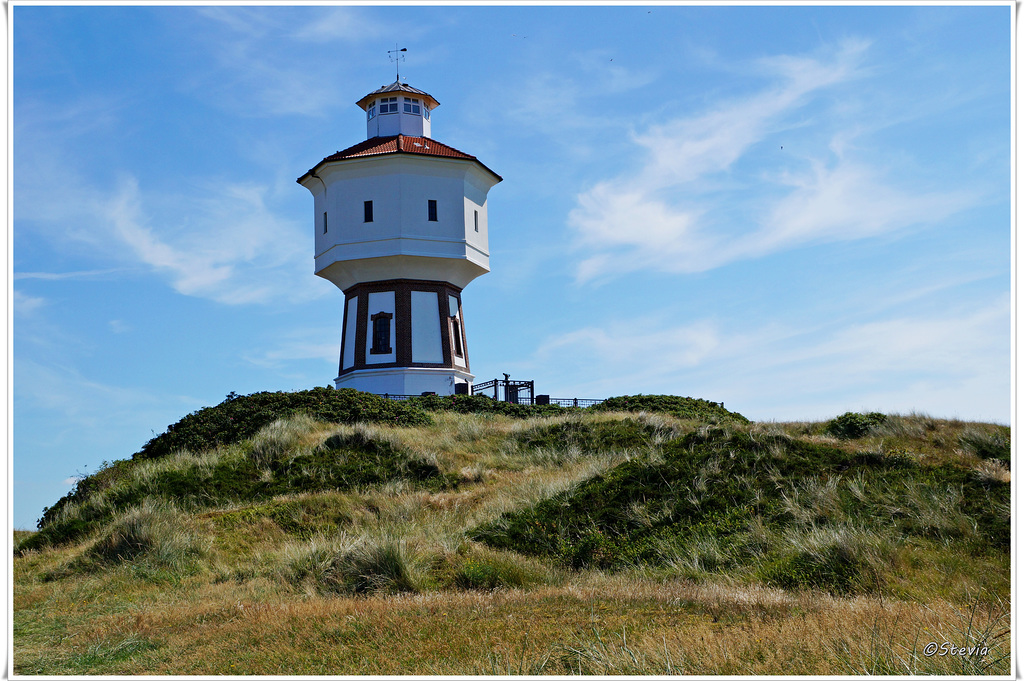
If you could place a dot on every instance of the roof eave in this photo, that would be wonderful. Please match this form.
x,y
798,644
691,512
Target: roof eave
x,y
312,171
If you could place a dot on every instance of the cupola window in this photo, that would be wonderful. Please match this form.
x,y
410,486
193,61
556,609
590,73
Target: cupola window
x,y
411,106
371,112
432,210
426,113
389,105
367,211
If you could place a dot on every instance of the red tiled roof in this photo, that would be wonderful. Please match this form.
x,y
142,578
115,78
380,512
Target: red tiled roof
x,y
400,144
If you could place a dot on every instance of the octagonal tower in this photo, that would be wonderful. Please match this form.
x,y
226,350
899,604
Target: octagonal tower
x,y
400,223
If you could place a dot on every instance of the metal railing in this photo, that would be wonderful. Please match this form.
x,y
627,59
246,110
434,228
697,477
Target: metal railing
x,y
578,402
573,401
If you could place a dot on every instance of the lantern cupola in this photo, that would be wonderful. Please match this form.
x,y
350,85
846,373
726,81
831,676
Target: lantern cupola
x,y
397,109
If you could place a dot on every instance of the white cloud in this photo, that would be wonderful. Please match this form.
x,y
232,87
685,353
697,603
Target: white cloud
x,y
228,247
299,345
25,304
953,364
57,276
265,66
690,209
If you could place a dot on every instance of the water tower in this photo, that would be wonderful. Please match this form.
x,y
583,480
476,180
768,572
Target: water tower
x,y
400,224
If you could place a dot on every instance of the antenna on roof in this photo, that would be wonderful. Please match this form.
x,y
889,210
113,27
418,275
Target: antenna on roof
x,y
396,56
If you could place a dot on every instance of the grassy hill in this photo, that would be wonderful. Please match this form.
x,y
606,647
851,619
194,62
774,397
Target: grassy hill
x,y
332,532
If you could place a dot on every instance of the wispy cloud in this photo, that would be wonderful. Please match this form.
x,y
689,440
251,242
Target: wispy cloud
x,y
266,66
301,344
226,246
58,276
781,370
25,304
705,195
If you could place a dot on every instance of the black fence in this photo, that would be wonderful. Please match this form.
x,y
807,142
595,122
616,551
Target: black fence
x,y
526,400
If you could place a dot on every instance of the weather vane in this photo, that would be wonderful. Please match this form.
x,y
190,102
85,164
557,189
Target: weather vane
x,y
396,56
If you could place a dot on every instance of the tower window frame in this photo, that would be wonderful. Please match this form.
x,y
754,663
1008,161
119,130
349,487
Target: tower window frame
x,y
456,330
367,211
431,210
411,105
388,105
381,330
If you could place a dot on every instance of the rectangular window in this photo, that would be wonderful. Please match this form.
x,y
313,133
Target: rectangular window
x,y
389,105
411,105
432,210
476,221
367,211
325,222
456,336
381,333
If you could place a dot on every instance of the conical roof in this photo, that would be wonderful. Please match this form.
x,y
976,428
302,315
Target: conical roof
x,y
397,87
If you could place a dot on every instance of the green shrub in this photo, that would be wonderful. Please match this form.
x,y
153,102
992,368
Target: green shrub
x,y
851,426
718,501
481,404
835,569
680,407
346,460
590,436
240,417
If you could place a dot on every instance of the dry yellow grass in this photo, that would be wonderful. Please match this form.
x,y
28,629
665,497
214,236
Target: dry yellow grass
x,y
240,615
595,624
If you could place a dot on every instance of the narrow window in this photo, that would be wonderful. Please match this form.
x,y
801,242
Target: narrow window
x,y
432,210
325,222
367,211
476,221
371,112
426,113
381,333
456,336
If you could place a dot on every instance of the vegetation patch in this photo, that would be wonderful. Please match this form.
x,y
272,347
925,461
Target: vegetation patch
x,y
303,518
787,511
346,460
594,435
360,567
154,533
988,445
240,417
850,426
681,407
481,404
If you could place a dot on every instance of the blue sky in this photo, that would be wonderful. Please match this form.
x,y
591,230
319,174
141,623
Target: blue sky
x,y
799,211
